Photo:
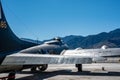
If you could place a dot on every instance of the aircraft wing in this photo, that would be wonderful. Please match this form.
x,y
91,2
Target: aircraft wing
x,y
97,55
36,59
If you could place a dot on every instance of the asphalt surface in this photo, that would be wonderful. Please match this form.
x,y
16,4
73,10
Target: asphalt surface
x,y
96,71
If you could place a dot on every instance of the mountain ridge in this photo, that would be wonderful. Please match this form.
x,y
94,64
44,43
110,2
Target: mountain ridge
x,y
111,39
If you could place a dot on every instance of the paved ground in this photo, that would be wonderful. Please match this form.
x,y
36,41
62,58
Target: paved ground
x,y
69,72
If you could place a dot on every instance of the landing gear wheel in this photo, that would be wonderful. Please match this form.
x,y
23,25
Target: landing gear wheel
x,y
11,76
33,69
79,67
43,67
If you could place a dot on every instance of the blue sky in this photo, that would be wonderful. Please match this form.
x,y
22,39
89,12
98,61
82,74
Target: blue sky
x,y
45,19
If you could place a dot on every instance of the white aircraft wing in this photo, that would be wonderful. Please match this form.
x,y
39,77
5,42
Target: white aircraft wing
x,y
36,59
110,52
95,54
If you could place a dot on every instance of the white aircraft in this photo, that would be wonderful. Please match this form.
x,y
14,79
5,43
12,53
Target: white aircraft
x,y
97,55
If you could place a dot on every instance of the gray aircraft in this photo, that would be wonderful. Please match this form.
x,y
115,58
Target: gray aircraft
x,y
11,44
17,54
53,47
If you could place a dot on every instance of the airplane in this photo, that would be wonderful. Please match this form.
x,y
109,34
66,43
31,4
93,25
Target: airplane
x,y
17,54
97,55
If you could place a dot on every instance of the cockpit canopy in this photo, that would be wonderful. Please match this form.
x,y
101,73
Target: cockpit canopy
x,y
57,38
55,41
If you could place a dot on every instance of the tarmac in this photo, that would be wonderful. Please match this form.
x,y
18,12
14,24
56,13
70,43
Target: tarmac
x,y
95,71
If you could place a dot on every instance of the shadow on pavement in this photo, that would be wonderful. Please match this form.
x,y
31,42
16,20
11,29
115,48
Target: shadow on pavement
x,y
43,75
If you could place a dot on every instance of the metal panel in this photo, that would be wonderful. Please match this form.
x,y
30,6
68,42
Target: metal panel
x,y
36,59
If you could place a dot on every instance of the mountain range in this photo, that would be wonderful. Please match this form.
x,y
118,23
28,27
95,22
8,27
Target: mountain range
x,y
110,39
